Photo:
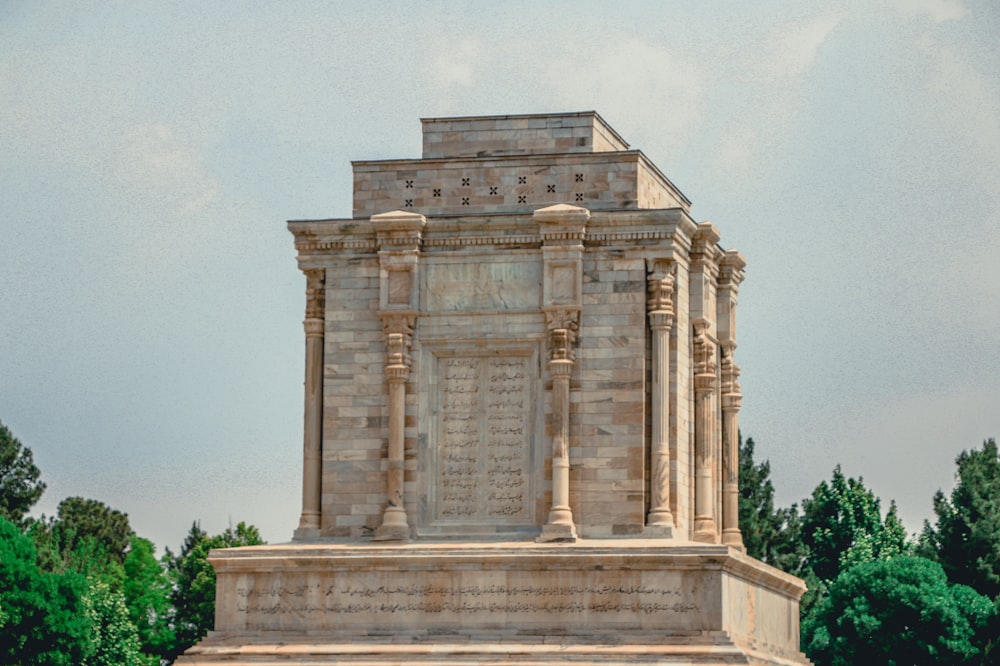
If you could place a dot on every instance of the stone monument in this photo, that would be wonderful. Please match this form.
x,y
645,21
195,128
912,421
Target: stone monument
x,y
521,413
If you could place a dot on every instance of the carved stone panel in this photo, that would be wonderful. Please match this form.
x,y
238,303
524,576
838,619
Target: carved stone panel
x,y
482,471
482,285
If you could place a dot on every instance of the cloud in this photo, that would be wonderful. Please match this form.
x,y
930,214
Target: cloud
x,y
638,84
969,105
939,10
151,158
454,66
790,50
770,75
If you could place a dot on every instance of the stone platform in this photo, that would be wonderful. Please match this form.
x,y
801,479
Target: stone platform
x,y
590,602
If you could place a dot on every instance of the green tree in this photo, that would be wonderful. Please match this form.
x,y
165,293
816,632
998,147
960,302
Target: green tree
x,y
842,524
965,538
194,580
85,536
113,637
147,596
81,519
771,535
43,619
897,611
20,487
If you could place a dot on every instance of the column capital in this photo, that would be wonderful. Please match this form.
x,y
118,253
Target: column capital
x,y
398,321
398,328
315,293
704,361
313,327
730,371
660,304
562,324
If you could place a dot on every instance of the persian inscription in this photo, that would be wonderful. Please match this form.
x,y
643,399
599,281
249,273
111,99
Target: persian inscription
x,y
464,599
484,449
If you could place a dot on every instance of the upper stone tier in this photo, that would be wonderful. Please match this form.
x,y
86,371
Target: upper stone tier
x,y
514,164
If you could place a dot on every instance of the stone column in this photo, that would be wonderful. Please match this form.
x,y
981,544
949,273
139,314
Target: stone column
x,y
562,326
730,276
399,234
562,228
660,521
704,384
312,431
398,334
707,470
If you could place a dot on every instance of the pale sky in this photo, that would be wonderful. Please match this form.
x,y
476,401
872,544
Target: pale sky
x,y
151,346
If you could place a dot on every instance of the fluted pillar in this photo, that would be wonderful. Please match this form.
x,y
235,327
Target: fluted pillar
x,y
730,276
312,431
660,521
731,398
704,385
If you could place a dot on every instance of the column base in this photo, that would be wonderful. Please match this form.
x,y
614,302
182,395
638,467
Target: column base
x,y
394,526
306,534
392,533
705,531
658,531
733,538
557,532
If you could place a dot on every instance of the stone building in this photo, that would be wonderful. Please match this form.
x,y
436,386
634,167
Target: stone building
x,y
521,415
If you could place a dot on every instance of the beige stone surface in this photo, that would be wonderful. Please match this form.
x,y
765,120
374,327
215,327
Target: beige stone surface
x,y
521,407
609,602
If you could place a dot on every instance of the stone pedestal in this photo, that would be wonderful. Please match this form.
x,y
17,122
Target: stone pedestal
x,y
589,602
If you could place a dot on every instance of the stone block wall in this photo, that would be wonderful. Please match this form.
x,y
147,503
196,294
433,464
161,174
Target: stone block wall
x,y
483,136
354,398
475,266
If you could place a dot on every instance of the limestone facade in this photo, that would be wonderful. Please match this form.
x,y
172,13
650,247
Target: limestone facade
x,y
484,362
521,415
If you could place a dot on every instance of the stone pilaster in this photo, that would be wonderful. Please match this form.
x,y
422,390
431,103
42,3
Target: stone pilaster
x,y
660,521
399,238
399,336
704,276
312,431
730,276
562,228
562,327
704,385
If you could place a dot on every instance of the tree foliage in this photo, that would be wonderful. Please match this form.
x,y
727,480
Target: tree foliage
x,y
965,538
86,519
842,525
20,484
147,592
86,536
43,619
194,580
899,610
113,638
